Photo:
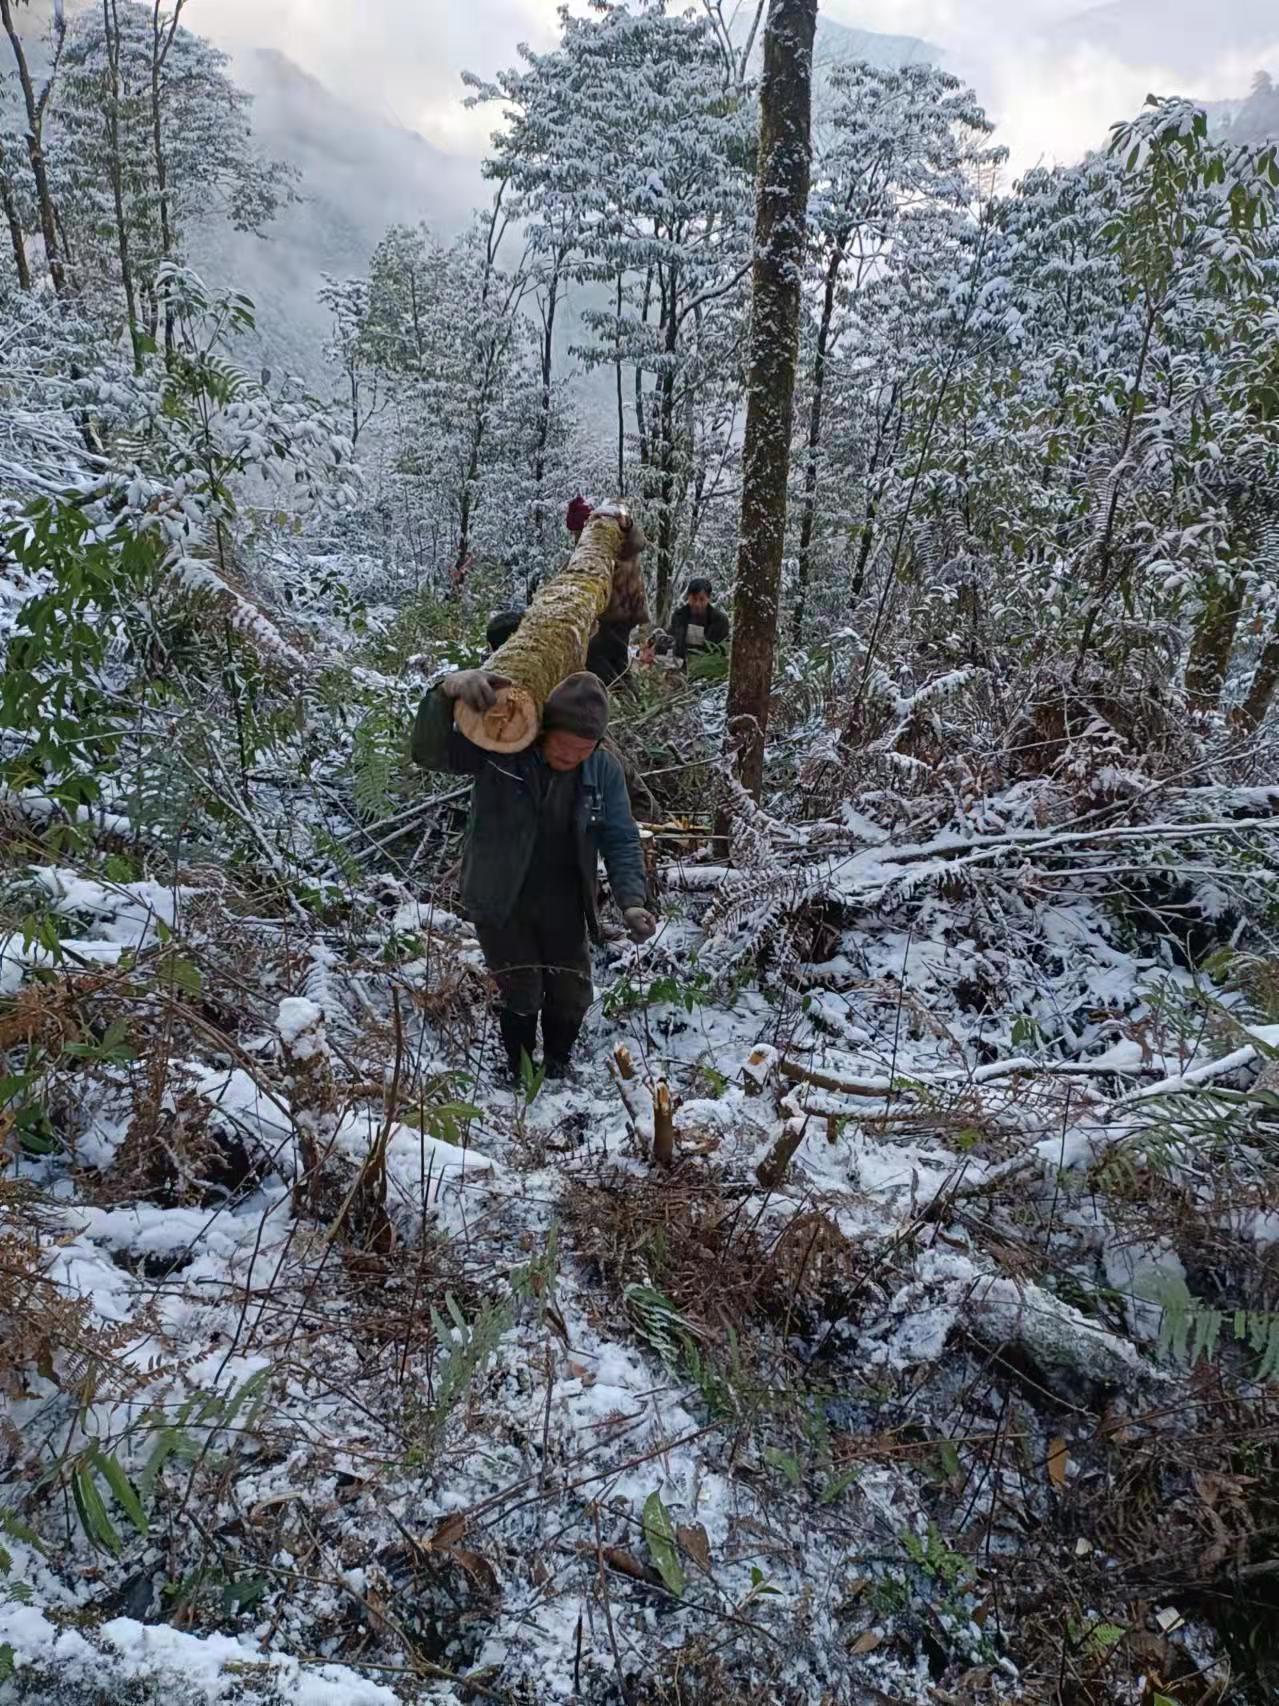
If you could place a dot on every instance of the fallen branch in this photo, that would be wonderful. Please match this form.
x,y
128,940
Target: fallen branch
x,y
1019,1068
772,1169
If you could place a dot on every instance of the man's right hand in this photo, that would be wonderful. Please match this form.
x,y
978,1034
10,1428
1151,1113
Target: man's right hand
x,y
476,688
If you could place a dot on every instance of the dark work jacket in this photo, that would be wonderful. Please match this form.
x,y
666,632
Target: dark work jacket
x,y
506,801
715,623
609,653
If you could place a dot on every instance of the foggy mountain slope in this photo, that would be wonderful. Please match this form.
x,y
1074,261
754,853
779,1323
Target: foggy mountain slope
x,y
838,43
1181,34
1257,119
359,174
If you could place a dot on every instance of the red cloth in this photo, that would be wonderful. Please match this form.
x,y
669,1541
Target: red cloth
x,y
579,513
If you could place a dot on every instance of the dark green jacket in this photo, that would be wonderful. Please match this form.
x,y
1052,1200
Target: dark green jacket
x,y
501,832
716,625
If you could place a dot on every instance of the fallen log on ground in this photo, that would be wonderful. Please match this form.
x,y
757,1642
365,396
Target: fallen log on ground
x,y
1019,1068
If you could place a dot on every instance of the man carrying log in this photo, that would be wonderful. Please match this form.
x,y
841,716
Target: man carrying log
x,y
546,804
539,821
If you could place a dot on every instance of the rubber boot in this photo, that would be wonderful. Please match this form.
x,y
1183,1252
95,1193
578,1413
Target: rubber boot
x,y
519,1039
559,1033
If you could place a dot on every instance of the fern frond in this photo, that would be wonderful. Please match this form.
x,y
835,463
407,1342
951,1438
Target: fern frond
x,y
375,759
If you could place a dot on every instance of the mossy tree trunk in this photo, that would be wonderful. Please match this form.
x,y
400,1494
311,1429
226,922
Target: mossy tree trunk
x,y
34,106
1211,644
17,237
1252,713
550,643
780,229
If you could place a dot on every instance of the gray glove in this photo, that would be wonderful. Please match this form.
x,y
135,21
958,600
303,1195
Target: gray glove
x,y
640,923
476,688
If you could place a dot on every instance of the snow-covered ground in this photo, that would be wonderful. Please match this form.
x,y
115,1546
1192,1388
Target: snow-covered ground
x,y
530,1437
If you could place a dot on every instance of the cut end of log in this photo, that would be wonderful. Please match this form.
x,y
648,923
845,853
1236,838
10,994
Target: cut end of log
x,y
511,725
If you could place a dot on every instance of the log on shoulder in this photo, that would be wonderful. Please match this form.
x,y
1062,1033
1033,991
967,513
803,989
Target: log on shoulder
x,y
551,641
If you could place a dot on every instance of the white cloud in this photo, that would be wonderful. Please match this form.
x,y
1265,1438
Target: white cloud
x,y
401,59
1052,106
1052,94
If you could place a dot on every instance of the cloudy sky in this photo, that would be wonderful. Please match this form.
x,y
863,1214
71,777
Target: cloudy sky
x,y
1055,73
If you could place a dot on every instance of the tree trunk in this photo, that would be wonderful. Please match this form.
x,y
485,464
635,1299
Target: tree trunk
x,y
162,35
666,483
35,150
1105,556
1252,713
1211,645
111,34
780,215
544,408
867,533
621,407
494,349
551,641
16,234
641,421
663,451
809,511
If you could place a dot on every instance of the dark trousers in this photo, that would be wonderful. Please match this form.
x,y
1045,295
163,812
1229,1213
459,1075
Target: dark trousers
x,y
541,963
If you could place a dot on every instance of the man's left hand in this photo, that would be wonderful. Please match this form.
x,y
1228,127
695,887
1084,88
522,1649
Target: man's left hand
x,y
640,923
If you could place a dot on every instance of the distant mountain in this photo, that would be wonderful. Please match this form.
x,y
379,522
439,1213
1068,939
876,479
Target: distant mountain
x,y
1257,119
359,174
1186,36
839,43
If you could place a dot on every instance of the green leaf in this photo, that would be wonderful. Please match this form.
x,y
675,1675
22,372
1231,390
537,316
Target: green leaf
x,y
6,1661
13,1084
837,1486
92,1512
660,1535
122,1489
244,1591
532,1079
19,1530
181,974
949,1457
252,1389
165,1447
786,1462
1103,1636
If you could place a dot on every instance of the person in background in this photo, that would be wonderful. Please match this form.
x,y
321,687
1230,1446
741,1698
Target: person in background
x,y
539,822
502,624
577,516
698,624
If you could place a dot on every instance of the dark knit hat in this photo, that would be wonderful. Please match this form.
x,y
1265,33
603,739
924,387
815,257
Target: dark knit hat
x,y
579,513
579,706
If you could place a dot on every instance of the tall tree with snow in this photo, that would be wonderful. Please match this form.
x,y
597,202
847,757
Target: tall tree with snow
x,y
782,175
645,199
